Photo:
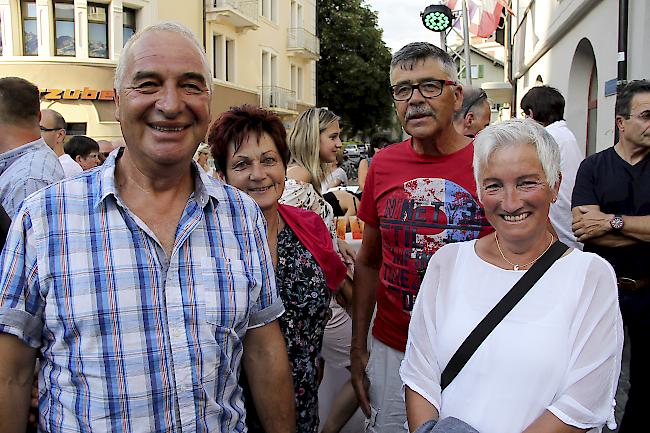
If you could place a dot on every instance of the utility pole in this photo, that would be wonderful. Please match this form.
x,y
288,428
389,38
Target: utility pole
x,y
468,58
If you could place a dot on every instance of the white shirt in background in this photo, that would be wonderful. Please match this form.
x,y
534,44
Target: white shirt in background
x,y
570,159
70,167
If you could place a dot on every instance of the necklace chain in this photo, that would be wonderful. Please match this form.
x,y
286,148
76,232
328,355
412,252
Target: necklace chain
x,y
515,267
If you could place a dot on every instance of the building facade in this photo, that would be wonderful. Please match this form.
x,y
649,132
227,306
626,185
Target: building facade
x,y
261,52
572,45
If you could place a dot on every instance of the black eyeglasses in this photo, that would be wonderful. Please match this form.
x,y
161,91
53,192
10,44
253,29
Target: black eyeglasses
x,y
428,89
44,129
474,101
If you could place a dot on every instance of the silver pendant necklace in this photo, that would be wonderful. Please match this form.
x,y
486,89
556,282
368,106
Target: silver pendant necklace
x,y
515,267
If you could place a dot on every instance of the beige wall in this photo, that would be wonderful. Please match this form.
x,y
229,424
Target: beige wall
x,y
549,41
49,71
57,75
225,97
271,37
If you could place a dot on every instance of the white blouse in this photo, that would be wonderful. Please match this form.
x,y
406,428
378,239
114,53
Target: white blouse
x,y
559,349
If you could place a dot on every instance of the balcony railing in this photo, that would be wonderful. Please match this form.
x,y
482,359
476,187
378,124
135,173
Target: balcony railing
x,y
277,97
303,43
240,14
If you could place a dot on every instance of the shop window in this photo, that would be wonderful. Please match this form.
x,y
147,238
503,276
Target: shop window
x,y
76,128
128,24
64,28
30,38
97,30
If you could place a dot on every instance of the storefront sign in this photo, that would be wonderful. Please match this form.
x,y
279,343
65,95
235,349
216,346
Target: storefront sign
x,y
84,94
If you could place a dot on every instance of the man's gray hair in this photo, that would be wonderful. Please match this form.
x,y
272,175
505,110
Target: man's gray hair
x,y
165,26
515,132
409,55
471,97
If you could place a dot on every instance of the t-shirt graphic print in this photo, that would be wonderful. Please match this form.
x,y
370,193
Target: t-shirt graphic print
x,y
419,203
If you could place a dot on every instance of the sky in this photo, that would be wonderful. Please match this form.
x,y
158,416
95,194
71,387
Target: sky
x,y
401,22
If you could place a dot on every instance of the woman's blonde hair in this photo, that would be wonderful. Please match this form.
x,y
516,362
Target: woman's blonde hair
x,y
304,142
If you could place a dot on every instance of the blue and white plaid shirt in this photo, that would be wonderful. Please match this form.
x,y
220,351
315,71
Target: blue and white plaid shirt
x,y
133,341
25,170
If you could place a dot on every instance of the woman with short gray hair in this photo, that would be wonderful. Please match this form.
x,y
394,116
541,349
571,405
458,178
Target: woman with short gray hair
x,y
551,361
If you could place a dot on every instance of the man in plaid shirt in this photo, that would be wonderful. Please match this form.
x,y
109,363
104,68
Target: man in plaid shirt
x,y
136,282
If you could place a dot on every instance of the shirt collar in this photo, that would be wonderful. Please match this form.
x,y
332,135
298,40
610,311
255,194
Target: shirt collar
x,y
557,124
8,157
204,186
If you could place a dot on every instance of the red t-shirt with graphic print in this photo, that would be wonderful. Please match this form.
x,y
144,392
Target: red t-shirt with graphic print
x,y
419,203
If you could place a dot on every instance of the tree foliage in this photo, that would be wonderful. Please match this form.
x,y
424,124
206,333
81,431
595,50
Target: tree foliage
x,y
352,75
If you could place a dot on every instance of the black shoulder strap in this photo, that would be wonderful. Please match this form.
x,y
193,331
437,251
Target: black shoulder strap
x,y
501,310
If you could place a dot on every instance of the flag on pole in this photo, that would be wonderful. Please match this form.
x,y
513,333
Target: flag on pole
x,y
483,15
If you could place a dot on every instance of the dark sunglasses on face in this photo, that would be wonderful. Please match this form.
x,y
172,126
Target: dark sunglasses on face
x,y
44,129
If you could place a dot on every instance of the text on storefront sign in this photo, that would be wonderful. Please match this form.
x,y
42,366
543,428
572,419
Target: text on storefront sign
x,y
84,94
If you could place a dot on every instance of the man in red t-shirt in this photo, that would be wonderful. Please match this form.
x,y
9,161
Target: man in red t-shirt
x,y
418,196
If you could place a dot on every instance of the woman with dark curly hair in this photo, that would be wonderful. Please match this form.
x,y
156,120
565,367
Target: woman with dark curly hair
x,y
249,146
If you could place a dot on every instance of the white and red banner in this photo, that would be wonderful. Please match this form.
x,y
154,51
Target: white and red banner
x,y
483,15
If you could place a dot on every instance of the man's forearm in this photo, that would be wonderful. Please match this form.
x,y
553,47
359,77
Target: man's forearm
x,y
366,280
637,227
14,405
269,377
591,225
612,240
16,378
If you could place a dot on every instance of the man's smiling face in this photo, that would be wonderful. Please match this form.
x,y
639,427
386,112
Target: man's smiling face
x,y
163,105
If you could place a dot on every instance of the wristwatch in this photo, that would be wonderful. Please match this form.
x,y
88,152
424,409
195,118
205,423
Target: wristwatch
x,y
617,222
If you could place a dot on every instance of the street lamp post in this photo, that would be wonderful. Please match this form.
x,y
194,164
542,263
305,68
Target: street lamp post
x,y
440,18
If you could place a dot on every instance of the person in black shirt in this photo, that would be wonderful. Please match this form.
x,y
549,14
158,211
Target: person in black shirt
x,y
611,215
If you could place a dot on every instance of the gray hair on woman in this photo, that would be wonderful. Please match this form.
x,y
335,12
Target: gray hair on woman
x,y
515,132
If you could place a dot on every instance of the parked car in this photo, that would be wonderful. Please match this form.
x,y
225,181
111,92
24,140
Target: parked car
x,y
352,152
352,156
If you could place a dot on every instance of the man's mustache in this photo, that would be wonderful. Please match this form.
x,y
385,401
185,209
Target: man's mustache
x,y
419,111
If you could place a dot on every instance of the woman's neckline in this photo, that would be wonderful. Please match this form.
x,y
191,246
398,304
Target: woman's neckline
x,y
519,272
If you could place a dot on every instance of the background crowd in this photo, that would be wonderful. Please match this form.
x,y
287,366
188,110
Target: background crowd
x,y
190,278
